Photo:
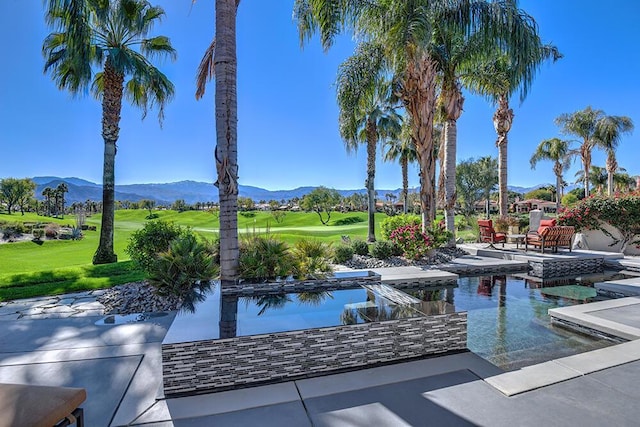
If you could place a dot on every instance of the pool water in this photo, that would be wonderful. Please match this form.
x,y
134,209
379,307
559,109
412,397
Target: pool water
x,y
508,323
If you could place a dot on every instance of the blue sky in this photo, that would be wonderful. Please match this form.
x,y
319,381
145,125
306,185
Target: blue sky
x,y
287,130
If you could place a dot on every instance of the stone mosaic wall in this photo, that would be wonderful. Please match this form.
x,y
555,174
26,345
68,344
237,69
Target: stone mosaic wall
x,y
212,365
328,284
559,268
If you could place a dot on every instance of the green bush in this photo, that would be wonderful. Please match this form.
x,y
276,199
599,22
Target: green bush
x,y
38,233
342,254
360,247
265,258
438,235
312,258
155,237
383,249
391,223
184,271
349,220
13,229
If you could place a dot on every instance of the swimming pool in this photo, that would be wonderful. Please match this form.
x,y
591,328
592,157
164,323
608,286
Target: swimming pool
x,y
508,323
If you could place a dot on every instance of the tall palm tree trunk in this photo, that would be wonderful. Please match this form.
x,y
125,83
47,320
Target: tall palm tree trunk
x,y
372,141
585,155
612,166
419,99
226,153
111,106
453,105
502,120
404,164
557,169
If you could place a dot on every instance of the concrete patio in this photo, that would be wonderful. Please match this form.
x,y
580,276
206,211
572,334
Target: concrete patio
x,y
120,366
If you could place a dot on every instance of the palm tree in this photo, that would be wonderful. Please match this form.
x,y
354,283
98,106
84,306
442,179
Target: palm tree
x,y
559,152
402,149
596,129
597,176
59,195
366,115
104,35
498,77
403,31
220,61
47,193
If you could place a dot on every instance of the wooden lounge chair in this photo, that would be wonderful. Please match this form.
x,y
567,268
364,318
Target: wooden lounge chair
x,y
41,406
489,235
550,236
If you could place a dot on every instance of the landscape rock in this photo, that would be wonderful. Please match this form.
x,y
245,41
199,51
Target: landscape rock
x,y
136,297
441,256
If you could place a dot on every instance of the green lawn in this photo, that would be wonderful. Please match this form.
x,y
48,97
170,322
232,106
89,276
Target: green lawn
x,y
58,266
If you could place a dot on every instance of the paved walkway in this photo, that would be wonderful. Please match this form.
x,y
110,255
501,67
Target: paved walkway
x,y
79,304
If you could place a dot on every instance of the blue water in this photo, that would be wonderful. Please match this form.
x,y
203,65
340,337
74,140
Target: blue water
x,y
508,323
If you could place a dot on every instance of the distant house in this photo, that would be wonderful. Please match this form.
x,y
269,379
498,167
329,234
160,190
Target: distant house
x,y
480,206
525,206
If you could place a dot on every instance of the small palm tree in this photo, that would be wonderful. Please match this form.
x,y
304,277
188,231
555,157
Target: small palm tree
x,y
403,150
102,43
559,152
596,129
367,114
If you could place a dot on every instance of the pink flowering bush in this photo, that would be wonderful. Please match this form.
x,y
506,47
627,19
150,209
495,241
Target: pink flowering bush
x,y
411,240
621,211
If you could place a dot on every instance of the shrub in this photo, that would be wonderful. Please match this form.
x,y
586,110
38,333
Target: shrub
x,y
265,258
155,237
383,249
360,247
184,271
13,229
389,224
313,258
411,240
51,230
342,254
76,233
439,235
38,233
621,212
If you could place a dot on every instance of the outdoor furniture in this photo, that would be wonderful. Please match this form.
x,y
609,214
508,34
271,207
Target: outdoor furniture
x,y
550,236
489,235
518,239
41,406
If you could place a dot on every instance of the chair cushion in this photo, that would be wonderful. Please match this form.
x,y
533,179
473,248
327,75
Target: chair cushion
x,y
545,223
32,405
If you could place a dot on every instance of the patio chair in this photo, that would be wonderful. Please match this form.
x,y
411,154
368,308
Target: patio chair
x,y
489,235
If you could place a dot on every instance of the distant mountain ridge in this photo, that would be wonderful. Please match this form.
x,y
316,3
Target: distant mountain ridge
x,y
191,192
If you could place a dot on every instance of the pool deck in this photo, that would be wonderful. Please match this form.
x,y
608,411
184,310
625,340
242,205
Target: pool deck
x,y
120,365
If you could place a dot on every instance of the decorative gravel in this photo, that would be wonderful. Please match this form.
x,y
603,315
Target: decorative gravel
x,y
441,256
136,297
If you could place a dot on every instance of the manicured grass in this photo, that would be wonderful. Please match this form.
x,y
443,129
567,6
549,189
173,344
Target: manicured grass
x,y
64,280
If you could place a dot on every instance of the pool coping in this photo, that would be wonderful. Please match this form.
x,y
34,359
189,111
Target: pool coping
x,y
555,371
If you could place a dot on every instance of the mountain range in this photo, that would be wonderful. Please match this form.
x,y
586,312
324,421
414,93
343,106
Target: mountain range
x,y
191,192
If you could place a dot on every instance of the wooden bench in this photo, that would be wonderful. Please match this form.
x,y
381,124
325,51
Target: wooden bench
x,y
41,406
555,237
